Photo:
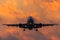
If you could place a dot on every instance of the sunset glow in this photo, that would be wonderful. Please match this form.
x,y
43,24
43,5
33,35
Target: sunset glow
x,y
17,11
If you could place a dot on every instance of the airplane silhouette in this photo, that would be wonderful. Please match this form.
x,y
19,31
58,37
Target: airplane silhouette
x,y
30,24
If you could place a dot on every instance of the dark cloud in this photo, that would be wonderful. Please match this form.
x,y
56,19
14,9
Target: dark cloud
x,y
1,38
10,37
36,35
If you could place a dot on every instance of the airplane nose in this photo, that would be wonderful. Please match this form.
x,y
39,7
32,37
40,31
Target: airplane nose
x,y
30,23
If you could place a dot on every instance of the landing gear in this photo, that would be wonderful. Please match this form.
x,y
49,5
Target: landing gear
x,y
36,29
23,29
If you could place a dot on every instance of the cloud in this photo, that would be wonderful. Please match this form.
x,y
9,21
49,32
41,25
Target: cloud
x,y
11,38
36,36
17,11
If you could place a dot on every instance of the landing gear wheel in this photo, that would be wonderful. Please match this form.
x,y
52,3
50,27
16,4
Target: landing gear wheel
x,y
36,29
23,29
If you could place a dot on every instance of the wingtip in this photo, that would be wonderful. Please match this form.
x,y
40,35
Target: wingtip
x,y
3,24
57,24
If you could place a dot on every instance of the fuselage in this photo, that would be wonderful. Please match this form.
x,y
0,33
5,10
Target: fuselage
x,y
30,23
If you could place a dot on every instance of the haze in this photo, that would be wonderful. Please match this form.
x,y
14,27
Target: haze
x,y
17,11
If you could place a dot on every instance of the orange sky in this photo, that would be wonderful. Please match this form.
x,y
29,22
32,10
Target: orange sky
x,y
44,11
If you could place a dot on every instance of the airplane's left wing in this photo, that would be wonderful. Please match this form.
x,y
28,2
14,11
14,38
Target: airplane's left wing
x,y
42,25
49,24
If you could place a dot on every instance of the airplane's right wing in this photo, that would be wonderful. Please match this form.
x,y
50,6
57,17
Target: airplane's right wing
x,y
11,24
19,25
23,25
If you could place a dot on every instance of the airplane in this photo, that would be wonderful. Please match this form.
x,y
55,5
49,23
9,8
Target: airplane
x,y
30,24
